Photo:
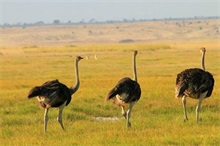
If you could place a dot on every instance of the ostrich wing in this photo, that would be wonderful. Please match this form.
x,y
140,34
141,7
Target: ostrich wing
x,y
46,89
188,78
197,79
54,93
207,84
127,89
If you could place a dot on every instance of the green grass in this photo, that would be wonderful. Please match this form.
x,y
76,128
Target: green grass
x,y
157,119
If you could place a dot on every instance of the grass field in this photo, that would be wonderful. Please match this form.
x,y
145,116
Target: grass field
x,y
157,118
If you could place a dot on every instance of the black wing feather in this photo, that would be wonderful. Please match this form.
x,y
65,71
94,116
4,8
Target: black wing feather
x,y
55,92
200,80
126,86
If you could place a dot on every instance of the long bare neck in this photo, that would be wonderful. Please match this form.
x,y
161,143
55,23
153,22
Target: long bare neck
x,y
134,68
74,88
203,60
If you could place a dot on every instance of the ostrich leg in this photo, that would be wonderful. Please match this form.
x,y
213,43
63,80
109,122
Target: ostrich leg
x,y
201,97
123,111
45,119
128,123
184,108
59,118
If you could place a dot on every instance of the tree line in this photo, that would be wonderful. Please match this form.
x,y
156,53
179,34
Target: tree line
x,y
93,21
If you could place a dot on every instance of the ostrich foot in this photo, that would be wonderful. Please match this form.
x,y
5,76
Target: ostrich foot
x,y
128,124
185,120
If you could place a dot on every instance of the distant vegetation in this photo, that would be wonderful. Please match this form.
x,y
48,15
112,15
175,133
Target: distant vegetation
x,y
93,21
126,41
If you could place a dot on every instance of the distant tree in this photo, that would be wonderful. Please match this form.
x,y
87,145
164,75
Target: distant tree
x,y
82,21
24,25
92,20
69,22
19,24
39,23
56,22
125,20
109,21
6,25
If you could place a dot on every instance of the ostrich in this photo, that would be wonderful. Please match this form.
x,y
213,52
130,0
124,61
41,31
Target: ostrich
x,y
126,92
195,83
55,94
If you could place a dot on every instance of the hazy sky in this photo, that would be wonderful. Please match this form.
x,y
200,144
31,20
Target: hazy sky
x,y
30,11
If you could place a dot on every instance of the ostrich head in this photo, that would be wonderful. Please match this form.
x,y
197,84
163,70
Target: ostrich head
x,y
135,52
78,58
202,50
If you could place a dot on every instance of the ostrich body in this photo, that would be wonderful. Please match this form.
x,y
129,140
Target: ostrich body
x,y
126,92
55,94
195,83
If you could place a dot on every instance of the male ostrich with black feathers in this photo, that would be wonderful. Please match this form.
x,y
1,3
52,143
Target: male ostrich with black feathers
x,y
55,94
195,83
126,92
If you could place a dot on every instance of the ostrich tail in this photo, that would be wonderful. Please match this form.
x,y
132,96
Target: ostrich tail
x,y
36,91
177,93
179,90
112,93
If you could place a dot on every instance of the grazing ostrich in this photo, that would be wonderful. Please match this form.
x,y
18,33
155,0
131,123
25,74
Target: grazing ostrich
x,y
126,92
55,94
195,83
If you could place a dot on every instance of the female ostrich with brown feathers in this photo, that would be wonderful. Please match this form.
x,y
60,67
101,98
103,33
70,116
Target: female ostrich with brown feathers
x,y
55,94
195,83
126,92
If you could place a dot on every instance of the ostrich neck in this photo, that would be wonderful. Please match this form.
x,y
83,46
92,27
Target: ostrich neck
x,y
203,61
134,68
74,88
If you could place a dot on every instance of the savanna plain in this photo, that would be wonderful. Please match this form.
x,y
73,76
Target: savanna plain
x,y
33,55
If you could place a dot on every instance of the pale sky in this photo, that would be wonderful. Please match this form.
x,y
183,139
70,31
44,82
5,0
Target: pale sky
x,y
30,11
